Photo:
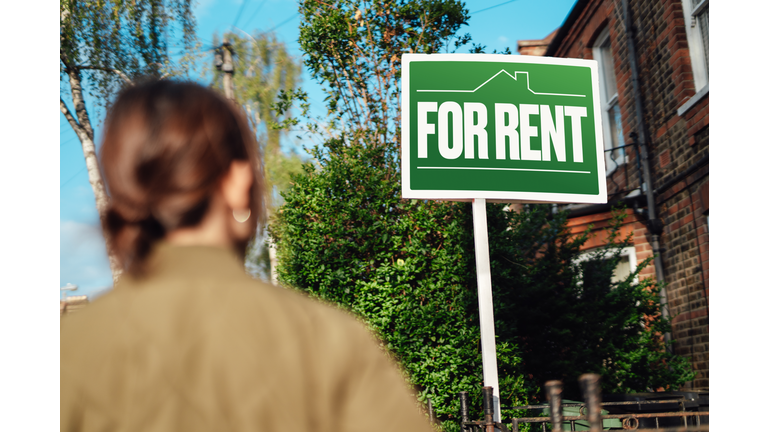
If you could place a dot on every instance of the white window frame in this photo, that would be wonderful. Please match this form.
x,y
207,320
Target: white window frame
x,y
625,252
607,102
696,43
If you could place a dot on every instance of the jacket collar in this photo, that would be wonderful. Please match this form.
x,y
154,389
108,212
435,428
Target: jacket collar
x,y
191,262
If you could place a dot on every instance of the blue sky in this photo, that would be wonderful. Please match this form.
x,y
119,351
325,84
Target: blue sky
x,y
497,24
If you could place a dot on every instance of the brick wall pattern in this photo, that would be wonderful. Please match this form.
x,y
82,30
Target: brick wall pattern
x,y
675,144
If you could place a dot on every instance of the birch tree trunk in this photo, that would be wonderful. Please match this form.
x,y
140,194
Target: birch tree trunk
x,y
84,131
272,261
116,41
82,127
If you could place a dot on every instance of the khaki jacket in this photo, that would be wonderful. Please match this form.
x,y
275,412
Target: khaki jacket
x,y
198,345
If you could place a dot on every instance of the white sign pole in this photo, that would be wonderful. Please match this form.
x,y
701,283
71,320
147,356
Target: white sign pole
x,y
485,300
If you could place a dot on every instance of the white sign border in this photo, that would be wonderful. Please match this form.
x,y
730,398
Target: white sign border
x,y
463,195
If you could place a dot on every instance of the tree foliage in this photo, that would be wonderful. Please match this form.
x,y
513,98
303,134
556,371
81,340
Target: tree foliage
x,y
263,70
105,45
568,311
407,267
353,49
112,42
344,234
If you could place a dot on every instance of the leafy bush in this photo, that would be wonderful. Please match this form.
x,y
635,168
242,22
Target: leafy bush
x,y
567,314
405,266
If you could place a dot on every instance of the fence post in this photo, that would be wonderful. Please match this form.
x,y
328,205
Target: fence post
x,y
590,389
488,408
463,410
554,391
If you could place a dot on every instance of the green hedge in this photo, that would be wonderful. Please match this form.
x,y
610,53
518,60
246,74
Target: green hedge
x,y
405,266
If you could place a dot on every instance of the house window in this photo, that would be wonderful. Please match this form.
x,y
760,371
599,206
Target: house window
x,y
592,270
696,14
613,136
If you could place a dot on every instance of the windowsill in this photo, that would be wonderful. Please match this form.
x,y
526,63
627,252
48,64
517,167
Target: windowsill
x,y
693,101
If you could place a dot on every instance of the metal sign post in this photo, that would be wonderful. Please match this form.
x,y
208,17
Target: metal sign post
x,y
504,128
485,300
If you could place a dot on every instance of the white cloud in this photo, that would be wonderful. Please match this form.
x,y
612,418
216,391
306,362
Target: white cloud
x,y
503,39
83,257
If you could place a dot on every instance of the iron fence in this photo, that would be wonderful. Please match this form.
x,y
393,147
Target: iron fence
x,y
590,413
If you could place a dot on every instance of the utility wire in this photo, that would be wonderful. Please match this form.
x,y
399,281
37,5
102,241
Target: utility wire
x,y
491,7
284,22
67,141
73,177
242,6
254,14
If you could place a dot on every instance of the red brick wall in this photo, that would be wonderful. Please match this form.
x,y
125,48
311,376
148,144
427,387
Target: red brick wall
x,y
632,225
675,143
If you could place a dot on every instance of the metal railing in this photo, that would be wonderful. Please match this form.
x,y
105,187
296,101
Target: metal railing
x,y
623,164
589,412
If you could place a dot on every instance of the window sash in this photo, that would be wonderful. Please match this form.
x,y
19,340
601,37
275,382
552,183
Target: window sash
x,y
613,135
703,21
696,13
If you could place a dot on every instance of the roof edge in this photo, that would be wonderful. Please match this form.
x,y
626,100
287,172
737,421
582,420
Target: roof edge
x,y
567,24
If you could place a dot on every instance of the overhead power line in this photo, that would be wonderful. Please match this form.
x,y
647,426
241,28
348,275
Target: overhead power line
x,y
67,141
284,22
242,6
73,177
254,14
491,7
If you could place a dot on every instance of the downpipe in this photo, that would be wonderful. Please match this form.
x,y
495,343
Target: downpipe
x,y
654,224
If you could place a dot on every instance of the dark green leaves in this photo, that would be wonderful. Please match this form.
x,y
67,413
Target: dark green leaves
x,y
568,314
407,266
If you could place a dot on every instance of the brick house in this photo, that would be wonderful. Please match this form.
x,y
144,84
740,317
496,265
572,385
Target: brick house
x,y
653,67
535,47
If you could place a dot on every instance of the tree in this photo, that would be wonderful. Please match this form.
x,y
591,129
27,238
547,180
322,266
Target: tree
x,y
353,48
263,71
104,46
571,315
406,267
344,234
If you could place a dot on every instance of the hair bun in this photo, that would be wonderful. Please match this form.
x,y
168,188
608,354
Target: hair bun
x,y
132,237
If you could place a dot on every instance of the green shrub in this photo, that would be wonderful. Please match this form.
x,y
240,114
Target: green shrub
x,y
567,314
406,267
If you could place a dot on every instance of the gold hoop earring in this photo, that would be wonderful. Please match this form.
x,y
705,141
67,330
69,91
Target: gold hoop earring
x,y
241,215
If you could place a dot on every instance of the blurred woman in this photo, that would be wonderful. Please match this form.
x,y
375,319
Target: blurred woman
x,y
187,340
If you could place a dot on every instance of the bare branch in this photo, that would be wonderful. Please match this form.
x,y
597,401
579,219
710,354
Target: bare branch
x,y
166,75
118,72
77,98
81,134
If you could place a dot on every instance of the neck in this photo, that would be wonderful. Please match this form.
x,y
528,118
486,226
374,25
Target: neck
x,y
211,231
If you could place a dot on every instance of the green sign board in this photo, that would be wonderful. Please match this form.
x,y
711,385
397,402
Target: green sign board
x,y
501,127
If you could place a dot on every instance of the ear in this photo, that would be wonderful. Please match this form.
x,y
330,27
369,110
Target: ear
x,y
236,185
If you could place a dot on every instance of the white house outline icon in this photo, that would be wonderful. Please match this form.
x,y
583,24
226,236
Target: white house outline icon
x,y
527,83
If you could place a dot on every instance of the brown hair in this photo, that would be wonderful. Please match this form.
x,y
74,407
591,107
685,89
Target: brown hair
x,y
167,145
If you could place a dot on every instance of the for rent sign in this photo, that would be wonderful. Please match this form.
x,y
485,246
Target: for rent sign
x,y
501,127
